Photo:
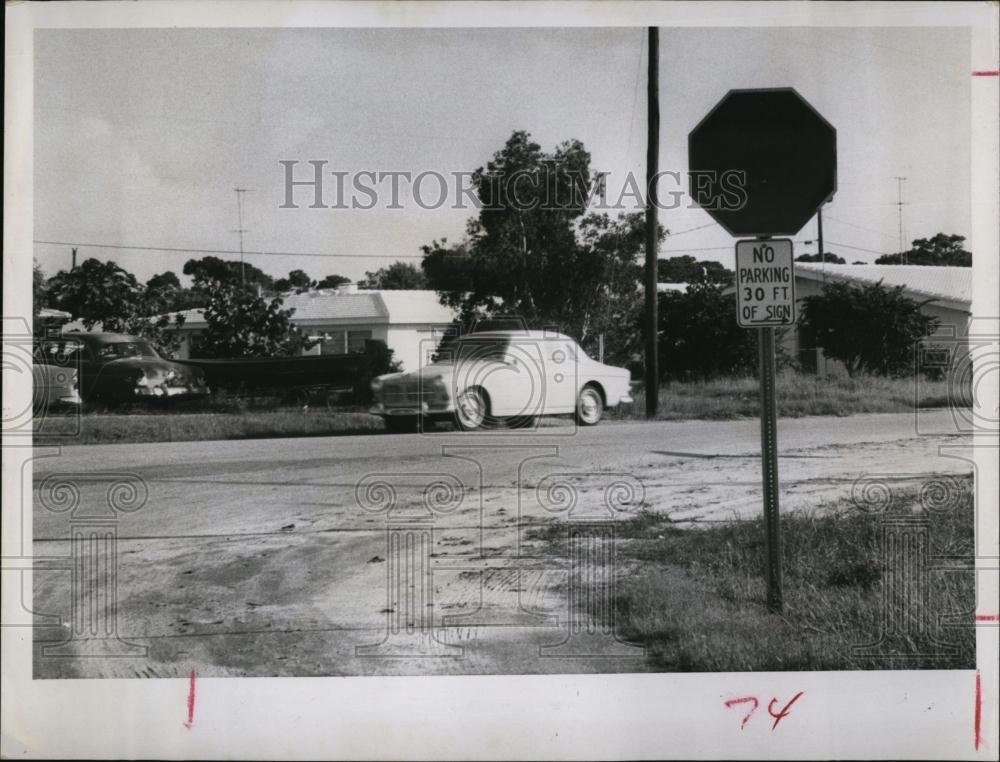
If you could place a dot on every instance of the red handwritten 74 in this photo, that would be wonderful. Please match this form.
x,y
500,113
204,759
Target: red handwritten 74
x,y
752,703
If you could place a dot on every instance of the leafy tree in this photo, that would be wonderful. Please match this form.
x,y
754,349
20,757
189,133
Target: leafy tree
x,y
870,328
449,270
300,281
39,291
698,337
533,253
103,293
687,269
242,324
826,257
212,269
941,250
97,292
165,282
397,276
332,281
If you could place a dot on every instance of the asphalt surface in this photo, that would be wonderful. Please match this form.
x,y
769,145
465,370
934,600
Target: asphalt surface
x,y
404,554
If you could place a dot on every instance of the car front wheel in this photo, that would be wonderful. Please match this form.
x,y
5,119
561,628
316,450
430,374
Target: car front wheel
x,y
471,410
589,406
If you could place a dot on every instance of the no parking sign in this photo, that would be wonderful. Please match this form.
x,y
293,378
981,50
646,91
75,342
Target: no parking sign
x,y
765,283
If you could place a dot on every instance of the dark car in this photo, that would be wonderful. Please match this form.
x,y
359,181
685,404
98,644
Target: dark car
x,y
114,367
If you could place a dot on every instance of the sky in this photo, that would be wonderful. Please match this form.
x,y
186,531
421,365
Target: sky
x,y
142,135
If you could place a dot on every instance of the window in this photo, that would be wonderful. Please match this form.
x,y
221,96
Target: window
x,y
356,340
124,349
333,344
492,348
61,352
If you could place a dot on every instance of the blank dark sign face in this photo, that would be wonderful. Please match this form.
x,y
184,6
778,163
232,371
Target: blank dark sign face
x,y
773,144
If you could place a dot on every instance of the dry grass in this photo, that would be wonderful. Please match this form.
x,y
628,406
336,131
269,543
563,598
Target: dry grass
x,y
798,395
696,597
186,427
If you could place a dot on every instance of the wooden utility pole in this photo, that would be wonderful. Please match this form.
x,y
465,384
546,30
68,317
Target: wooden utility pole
x,y
819,241
652,239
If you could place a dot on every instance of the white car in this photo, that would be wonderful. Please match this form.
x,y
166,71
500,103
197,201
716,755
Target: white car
x,y
509,376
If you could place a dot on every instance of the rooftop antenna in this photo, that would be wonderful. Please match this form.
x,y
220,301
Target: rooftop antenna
x,y
241,230
900,205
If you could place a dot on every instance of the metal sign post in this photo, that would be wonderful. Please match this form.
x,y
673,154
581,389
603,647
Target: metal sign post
x,y
769,466
765,285
783,154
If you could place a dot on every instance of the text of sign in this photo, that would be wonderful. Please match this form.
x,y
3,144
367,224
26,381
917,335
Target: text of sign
x,y
765,283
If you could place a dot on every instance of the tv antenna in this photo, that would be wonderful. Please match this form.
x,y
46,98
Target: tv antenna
x,y
241,230
899,206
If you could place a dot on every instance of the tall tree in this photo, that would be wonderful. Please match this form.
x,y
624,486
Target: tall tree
x,y
332,281
533,252
941,250
209,269
826,257
686,269
398,276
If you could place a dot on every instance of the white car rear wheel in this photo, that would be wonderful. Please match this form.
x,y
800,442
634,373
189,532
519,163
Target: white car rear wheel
x,y
470,410
589,406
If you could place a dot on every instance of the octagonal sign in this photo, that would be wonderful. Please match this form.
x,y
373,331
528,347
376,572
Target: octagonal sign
x,y
762,162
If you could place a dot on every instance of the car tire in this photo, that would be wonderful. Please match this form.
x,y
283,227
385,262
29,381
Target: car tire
x,y
589,406
471,410
401,424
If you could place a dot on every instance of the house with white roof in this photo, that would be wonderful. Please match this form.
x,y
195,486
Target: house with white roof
x,y
944,292
409,322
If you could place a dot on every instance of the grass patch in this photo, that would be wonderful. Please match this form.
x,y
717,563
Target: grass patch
x,y
151,426
799,394
696,597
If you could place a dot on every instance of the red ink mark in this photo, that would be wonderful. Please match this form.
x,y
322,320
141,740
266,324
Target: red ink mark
x,y
190,701
988,617
977,718
986,73
745,699
777,717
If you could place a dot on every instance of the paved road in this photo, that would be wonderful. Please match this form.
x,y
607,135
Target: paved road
x,y
405,554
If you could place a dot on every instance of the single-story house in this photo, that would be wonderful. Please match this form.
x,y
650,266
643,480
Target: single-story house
x,y
949,288
50,322
409,322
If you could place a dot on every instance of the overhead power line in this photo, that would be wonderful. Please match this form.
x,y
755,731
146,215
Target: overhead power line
x,y
228,251
856,248
859,227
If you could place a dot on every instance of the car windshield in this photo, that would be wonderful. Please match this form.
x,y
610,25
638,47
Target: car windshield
x,y
60,351
122,349
487,348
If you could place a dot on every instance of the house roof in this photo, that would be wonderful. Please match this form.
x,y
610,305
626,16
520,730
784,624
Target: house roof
x,y
414,306
47,313
664,287
388,307
951,285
